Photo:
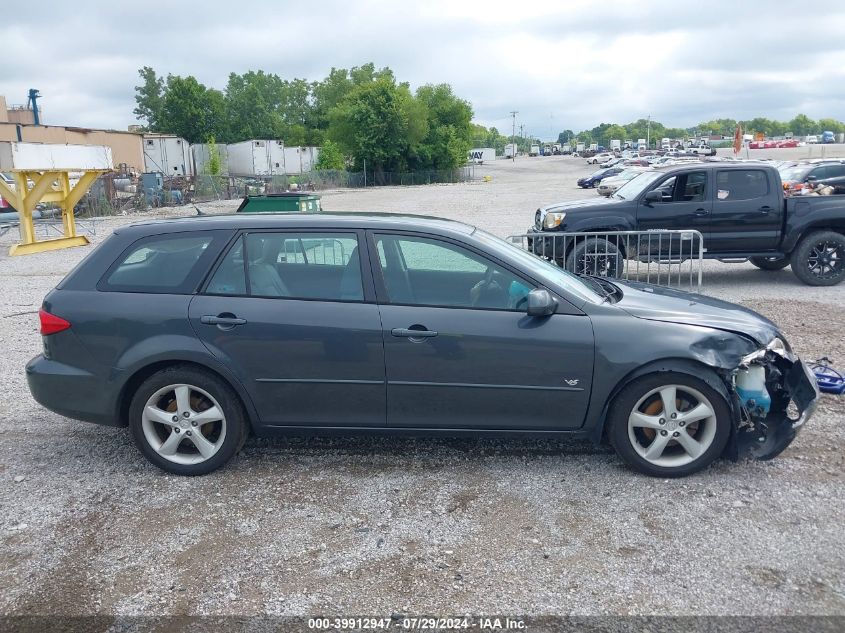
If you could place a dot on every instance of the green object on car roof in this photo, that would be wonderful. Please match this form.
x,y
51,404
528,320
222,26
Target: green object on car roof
x,y
289,202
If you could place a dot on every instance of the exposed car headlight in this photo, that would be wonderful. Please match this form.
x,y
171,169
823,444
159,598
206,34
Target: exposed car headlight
x,y
781,348
777,346
553,220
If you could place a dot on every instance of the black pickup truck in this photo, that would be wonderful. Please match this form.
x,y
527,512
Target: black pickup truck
x,y
739,208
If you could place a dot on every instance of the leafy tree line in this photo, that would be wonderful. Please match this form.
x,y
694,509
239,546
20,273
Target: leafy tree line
x,y
356,115
602,134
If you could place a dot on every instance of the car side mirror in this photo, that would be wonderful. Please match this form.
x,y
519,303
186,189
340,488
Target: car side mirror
x,y
541,303
653,196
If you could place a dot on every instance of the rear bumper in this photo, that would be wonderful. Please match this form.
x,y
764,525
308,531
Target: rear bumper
x,y
70,391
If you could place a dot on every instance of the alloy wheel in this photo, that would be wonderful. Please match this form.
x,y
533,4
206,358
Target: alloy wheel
x,y
184,424
826,259
672,425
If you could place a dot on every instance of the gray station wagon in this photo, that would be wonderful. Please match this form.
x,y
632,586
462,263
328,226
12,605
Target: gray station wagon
x,y
196,332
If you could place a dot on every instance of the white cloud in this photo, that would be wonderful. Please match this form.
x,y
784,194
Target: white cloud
x,y
562,65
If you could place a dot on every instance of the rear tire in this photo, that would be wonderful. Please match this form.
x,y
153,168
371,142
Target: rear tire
x,y
187,421
669,424
595,256
770,263
819,259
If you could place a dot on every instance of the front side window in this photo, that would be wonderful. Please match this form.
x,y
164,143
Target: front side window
x,y
687,187
424,271
741,184
162,264
291,265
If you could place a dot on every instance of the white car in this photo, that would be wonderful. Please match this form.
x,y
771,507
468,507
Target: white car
x,y
600,158
611,162
608,186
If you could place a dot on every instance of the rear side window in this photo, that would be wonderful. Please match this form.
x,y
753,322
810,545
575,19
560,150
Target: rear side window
x,y
741,184
322,266
172,264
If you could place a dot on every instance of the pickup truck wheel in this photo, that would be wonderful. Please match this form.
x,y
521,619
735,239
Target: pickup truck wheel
x,y
595,256
770,263
819,259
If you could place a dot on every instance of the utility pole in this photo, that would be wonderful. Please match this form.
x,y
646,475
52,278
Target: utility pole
x,y
513,135
648,132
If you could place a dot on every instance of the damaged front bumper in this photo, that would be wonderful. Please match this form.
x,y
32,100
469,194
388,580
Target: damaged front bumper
x,y
788,382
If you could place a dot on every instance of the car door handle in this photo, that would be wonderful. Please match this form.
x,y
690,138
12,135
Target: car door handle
x,y
702,212
407,333
222,321
765,210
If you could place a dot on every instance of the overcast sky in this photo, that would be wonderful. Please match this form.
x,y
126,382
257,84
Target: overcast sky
x,y
571,64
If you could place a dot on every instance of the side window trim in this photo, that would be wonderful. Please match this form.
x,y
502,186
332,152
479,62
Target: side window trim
x,y
381,286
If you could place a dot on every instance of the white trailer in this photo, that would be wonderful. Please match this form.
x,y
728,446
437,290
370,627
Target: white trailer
x,y
300,160
579,147
202,156
168,154
641,144
594,147
256,157
480,154
615,145
534,150
510,150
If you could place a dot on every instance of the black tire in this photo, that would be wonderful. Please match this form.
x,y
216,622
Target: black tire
x,y
235,428
624,405
769,263
819,258
595,256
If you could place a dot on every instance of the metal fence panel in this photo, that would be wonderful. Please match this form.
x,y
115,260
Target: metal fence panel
x,y
671,258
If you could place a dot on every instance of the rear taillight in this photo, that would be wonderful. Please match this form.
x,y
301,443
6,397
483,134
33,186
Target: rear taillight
x,y
50,323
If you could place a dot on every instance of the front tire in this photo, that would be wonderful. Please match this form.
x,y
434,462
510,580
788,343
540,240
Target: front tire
x,y
595,256
819,259
770,263
669,424
187,421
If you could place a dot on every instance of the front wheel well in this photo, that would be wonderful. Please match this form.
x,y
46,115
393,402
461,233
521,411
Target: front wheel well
x,y
138,378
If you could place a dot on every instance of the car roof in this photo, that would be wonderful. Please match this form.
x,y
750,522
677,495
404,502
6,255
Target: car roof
x,y
350,220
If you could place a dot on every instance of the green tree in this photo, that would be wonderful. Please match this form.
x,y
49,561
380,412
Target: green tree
x,y
370,125
213,166
802,124
330,157
149,98
191,110
449,134
831,125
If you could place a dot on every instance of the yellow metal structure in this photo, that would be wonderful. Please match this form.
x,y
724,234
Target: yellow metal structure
x,y
32,187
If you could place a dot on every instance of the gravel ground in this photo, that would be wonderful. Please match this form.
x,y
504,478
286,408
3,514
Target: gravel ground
x,y
375,526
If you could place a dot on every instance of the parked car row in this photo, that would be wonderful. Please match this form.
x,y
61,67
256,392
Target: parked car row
x,y
804,175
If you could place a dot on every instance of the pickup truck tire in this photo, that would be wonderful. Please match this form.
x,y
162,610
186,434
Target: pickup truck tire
x,y
770,263
819,258
595,256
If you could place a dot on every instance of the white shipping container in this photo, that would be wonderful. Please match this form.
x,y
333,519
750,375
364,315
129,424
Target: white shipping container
x,y
510,150
168,154
46,156
480,154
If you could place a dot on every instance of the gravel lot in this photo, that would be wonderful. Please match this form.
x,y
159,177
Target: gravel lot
x,y
374,526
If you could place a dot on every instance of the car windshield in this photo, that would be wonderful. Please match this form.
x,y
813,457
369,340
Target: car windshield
x,y
598,173
636,185
798,172
543,269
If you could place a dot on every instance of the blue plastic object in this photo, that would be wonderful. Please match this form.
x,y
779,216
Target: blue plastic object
x,y
828,379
